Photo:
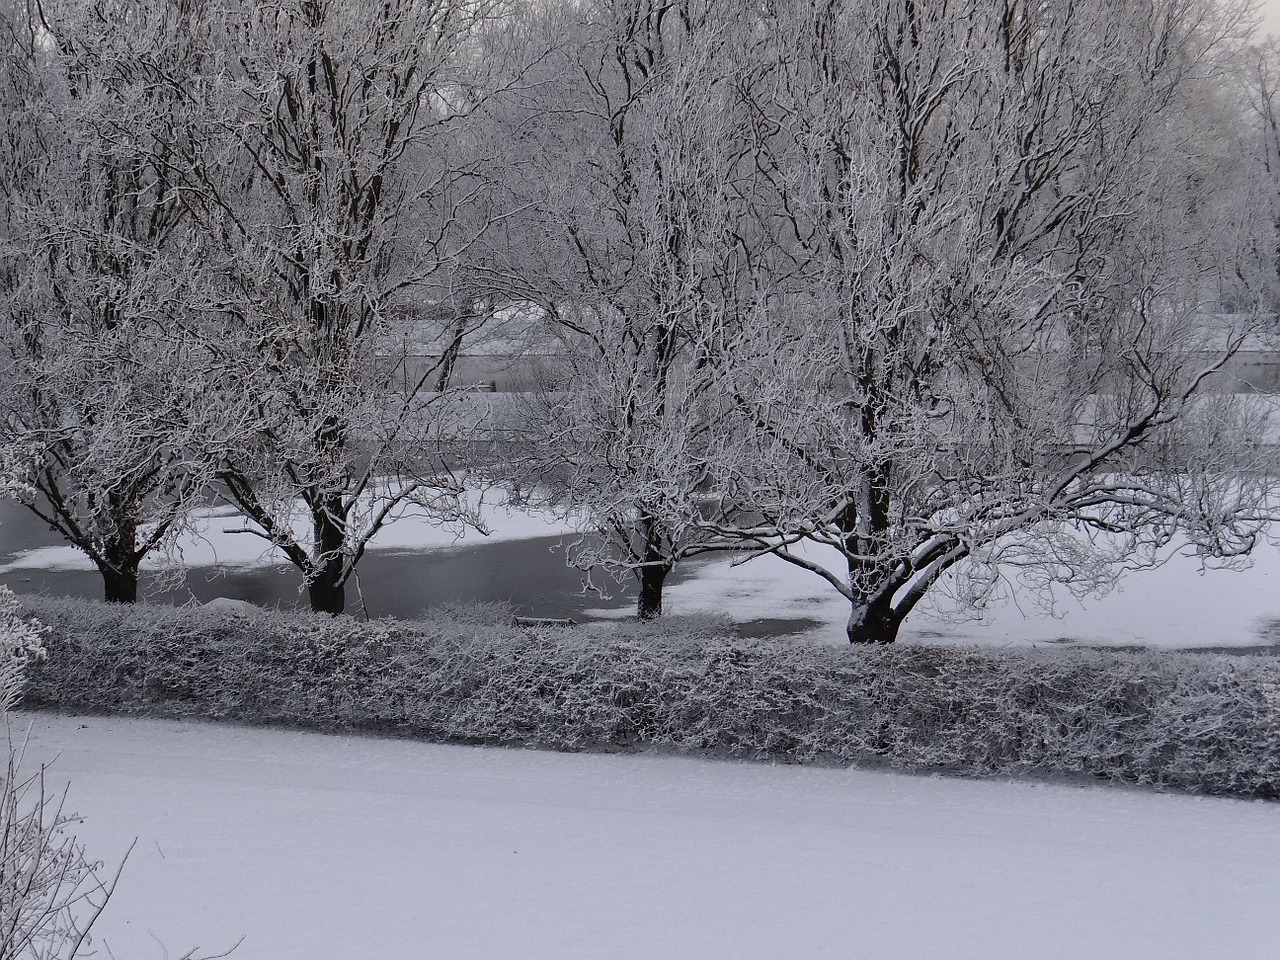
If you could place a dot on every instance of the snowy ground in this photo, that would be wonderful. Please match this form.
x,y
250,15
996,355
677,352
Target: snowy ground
x,y
1177,605
220,536
333,848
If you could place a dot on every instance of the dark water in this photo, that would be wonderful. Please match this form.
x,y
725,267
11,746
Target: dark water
x,y
531,575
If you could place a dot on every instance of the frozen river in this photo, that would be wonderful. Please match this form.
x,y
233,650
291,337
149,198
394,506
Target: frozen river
x,y
530,573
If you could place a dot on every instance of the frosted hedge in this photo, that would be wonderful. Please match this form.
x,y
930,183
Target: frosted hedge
x,y
1203,723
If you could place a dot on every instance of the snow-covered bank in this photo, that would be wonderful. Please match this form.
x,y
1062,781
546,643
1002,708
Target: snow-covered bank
x,y
329,848
1180,604
1177,605
221,536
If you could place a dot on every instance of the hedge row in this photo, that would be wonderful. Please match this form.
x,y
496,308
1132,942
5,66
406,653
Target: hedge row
x,y
1175,720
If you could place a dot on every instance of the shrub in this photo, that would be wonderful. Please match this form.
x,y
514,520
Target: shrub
x,y
50,893
1186,721
19,644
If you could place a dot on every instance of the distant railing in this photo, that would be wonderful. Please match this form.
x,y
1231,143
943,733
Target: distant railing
x,y
501,373
1247,372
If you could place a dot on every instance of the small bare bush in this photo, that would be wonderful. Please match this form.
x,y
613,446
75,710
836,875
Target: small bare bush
x,y
19,644
50,892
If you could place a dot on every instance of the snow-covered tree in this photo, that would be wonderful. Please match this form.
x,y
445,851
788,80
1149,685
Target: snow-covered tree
x,y
101,391
626,244
335,190
991,351
1260,75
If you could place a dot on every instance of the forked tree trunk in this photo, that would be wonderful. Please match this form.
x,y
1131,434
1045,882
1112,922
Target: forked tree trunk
x,y
653,574
874,622
865,525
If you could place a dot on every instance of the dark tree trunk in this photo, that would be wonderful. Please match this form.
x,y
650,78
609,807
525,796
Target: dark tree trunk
x,y
120,585
653,574
327,595
874,573
118,564
649,605
874,622
327,590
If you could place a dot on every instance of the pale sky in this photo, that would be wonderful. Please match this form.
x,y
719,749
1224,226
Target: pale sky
x,y
1270,10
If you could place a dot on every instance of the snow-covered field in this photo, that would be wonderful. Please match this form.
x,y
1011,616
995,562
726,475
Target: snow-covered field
x,y
336,848
1177,605
220,536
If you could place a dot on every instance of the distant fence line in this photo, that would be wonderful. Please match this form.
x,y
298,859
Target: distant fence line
x,y
498,373
1247,372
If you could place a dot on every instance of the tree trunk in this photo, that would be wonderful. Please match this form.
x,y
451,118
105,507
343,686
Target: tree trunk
x,y
653,574
649,605
865,526
119,564
874,622
327,589
327,595
120,585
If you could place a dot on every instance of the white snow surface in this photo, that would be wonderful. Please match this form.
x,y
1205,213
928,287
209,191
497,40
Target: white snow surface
x,y
1180,604
333,848
220,536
